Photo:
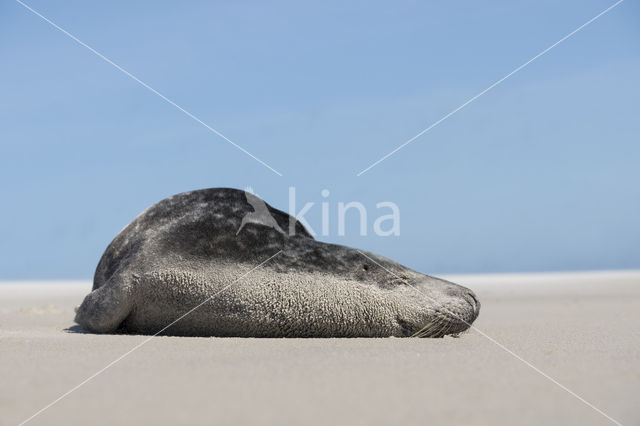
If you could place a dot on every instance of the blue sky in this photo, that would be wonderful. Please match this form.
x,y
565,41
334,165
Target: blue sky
x,y
539,174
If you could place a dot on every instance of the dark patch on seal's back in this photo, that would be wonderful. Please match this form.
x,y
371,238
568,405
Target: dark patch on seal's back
x,y
193,224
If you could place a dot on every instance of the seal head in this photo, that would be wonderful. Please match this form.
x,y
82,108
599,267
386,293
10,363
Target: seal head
x,y
188,266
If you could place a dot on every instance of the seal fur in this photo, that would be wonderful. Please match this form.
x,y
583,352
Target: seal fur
x,y
195,247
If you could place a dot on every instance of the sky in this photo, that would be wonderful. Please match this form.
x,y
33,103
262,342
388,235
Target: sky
x,y
541,173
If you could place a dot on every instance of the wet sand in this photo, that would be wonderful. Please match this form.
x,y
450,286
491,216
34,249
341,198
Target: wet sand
x,y
582,329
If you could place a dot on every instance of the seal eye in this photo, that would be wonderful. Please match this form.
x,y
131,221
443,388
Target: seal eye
x,y
365,267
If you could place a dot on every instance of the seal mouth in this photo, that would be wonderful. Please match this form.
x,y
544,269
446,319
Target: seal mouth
x,y
436,328
442,326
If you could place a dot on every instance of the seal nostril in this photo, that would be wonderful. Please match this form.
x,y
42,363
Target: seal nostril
x,y
474,301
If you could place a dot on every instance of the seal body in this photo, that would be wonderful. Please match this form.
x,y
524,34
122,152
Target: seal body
x,y
194,265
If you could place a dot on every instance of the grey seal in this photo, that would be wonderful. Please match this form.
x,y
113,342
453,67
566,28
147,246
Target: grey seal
x,y
195,247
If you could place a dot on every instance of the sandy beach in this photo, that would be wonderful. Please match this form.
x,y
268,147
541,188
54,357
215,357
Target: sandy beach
x,y
581,329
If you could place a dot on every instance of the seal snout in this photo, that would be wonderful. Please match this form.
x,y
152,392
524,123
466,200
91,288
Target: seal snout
x,y
452,309
464,305
464,298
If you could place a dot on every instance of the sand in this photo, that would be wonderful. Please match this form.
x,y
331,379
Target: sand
x,y
582,329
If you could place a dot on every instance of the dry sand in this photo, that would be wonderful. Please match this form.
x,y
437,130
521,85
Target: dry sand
x,y
583,330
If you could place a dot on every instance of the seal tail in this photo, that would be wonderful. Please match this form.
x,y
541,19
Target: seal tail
x,y
104,309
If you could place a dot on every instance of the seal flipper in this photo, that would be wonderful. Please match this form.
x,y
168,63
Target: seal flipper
x,y
105,308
